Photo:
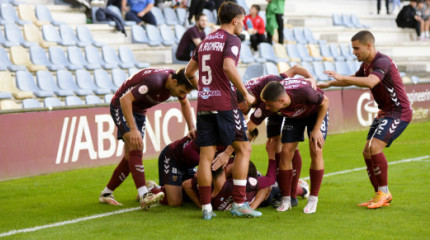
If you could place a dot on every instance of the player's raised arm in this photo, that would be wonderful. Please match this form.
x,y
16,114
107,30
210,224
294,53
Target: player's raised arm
x,y
341,80
135,138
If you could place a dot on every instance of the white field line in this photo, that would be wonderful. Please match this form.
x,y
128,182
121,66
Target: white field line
x,y
58,224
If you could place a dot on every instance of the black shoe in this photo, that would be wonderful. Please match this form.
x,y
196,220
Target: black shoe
x,y
294,202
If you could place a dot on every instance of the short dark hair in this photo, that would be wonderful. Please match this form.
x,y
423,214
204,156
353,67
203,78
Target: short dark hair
x,y
272,91
364,37
182,79
256,6
252,170
199,16
229,10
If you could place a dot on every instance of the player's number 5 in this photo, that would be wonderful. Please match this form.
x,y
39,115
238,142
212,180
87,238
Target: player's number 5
x,y
206,69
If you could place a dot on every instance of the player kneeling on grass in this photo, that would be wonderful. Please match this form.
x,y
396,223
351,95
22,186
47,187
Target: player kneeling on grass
x,y
303,107
379,73
141,91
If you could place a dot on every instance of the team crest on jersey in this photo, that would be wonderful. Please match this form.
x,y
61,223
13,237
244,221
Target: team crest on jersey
x,y
258,113
235,50
252,181
143,89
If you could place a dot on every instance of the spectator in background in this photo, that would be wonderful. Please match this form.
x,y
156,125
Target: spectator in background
x,y
254,24
192,38
140,11
423,10
378,5
408,18
275,19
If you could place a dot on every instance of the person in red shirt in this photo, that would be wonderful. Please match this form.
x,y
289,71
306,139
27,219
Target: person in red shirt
x,y
255,26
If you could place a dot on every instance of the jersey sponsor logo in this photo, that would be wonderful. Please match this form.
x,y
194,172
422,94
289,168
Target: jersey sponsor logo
x,y
216,35
206,93
143,89
299,111
235,50
258,113
367,109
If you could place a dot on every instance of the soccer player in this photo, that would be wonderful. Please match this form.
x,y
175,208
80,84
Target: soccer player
x,y
274,123
379,73
303,107
219,121
141,91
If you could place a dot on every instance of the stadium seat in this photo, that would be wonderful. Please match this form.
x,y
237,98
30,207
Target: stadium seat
x,y
209,14
158,15
329,66
170,16
167,35
19,56
347,21
110,57
288,36
293,52
25,82
68,37
58,58
5,62
126,56
13,2
8,104
253,71
65,81
270,69
103,80
138,34
175,60
154,35
76,57
108,98
352,67
262,14
9,15
283,66
309,36
26,12
118,77
298,35
38,57
179,31
6,43
43,14
281,52
267,53
325,51
314,51
415,79
45,81
304,53
346,53
244,5
132,71
337,20
31,103
93,57
85,81
14,34
5,95
246,54
50,34
85,37
182,15
8,84
73,101
334,49
356,22
51,102
91,99
33,34
319,71
342,68
310,68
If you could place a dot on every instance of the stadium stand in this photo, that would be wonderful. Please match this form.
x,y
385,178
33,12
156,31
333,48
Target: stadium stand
x,y
7,84
85,81
158,14
282,66
118,77
267,53
76,57
103,80
110,57
91,99
6,43
93,57
8,105
31,103
346,52
6,64
73,101
318,70
335,53
43,14
170,16
299,36
58,58
253,71
45,81
182,15
68,36
107,98
167,35
25,82
288,36
33,34
309,36
26,12
270,68
5,95
9,16
179,31
51,102
50,34
154,35
19,56
14,34
85,37
127,58
66,81
38,57
138,35
174,59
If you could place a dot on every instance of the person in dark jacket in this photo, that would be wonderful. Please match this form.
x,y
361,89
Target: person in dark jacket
x,y
408,18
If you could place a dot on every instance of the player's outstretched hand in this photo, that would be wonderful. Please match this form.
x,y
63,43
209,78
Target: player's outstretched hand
x,y
220,161
334,75
317,139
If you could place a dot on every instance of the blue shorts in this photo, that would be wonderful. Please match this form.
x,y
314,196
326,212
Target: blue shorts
x,y
386,129
220,128
294,129
275,195
274,125
121,124
169,172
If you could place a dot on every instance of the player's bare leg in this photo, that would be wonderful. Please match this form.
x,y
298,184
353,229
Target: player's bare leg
x,y
240,172
316,173
285,175
380,169
204,178
174,195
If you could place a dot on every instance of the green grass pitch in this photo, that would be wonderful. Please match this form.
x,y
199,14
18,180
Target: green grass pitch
x,y
49,199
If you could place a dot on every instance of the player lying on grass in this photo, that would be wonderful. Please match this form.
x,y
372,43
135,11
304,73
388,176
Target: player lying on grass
x,y
303,107
259,190
274,123
140,92
379,73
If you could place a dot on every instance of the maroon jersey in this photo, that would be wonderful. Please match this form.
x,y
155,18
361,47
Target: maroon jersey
x,y
187,40
216,92
304,99
148,87
389,93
